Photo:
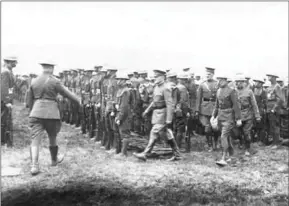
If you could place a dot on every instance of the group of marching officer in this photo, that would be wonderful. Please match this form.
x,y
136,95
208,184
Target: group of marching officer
x,y
108,105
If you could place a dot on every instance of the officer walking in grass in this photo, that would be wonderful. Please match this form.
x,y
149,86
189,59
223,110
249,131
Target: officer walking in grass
x,y
162,117
229,114
44,113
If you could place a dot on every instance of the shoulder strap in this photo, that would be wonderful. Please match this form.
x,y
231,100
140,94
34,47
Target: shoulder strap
x,y
207,86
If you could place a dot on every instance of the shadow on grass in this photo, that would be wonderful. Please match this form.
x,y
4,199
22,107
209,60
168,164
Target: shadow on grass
x,y
106,192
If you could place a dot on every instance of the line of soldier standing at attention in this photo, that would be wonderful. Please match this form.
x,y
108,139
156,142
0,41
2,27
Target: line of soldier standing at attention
x,y
109,105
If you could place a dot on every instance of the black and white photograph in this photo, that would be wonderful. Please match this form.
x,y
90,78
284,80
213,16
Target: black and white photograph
x,y
127,103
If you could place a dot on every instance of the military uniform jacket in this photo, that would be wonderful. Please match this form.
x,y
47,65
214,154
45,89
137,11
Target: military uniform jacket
x,y
95,88
7,84
248,104
43,97
261,99
192,89
162,104
183,98
123,105
206,97
274,98
111,94
86,90
227,107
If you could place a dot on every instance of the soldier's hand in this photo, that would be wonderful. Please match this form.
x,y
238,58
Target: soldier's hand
x,y
117,122
112,114
98,105
188,114
239,123
197,115
9,105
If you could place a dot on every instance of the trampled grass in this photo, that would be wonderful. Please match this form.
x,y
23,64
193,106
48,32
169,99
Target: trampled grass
x,y
90,176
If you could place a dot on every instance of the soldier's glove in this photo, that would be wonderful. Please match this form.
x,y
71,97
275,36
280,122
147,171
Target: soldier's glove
x,y
272,111
197,115
9,105
239,123
112,114
98,105
188,114
169,126
117,122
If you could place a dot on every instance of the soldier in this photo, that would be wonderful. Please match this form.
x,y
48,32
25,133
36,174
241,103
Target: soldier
x,y
261,99
96,102
162,117
274,103
142,77
44,114
122,115
7,84
110,110
130,75
280,82
228,112
74,107
249,111
79,83
60,99
136,123
66,101
248,83
284,114
206,98
144,96
192,89
182,112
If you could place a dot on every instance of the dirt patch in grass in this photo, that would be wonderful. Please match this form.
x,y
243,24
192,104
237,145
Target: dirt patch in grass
x,y
90,176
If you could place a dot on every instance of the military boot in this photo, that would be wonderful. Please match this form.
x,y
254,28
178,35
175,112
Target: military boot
x,y
124,146
176,151
143,156
54,159
34,154
209,141
179,138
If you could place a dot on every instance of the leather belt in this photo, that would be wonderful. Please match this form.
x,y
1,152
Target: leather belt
x,y
209,99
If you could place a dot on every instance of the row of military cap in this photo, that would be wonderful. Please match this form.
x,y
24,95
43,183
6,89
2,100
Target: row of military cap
x,y
185,75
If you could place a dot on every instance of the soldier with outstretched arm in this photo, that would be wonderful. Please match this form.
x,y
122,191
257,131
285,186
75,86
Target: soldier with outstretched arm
x,y
44,115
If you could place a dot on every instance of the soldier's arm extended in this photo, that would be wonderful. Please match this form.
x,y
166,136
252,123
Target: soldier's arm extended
x,y
169,104
254,104
124,106
66,93
5,82
198,101
236,105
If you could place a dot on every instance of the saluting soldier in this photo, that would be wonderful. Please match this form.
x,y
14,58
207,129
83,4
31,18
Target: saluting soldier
x,y
274,103
249,111
7,84
44,113
228,112
206,98
163,111
261,99
123,113
182,112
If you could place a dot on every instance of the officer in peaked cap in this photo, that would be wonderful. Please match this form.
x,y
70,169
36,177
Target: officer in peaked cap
x,y
206,100
228,113
163,111
44,113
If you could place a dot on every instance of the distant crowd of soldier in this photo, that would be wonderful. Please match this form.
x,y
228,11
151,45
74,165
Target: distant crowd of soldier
x,y
113,105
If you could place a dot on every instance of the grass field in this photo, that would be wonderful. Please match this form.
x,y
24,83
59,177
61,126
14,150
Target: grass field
x,y
90,176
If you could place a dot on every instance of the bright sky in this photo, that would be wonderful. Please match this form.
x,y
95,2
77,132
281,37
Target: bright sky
x,y
249,37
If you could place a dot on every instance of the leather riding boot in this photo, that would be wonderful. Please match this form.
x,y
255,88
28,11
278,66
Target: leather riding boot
x,y
125,143
53,152
209,141
34,154
148,149
176,151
